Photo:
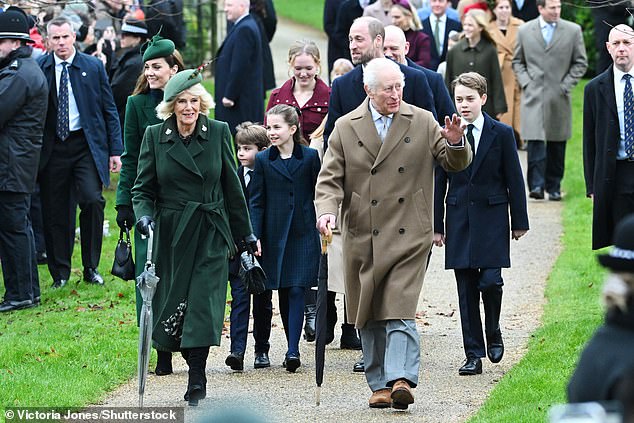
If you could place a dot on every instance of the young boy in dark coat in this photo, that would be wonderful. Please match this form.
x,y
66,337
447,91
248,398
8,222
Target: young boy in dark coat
x,y
478,230
250,139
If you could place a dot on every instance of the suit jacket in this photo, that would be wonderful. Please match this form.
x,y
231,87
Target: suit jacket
x,y
436,56
283,216
601,136
239,75
97,111
547,75
443,103
528,11
347,93
385,191
348,11
484,60
479,201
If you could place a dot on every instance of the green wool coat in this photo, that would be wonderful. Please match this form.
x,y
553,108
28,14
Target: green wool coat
x,y
194,196
139,114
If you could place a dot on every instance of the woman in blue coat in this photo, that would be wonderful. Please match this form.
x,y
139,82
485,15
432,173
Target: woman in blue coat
x,y
283,218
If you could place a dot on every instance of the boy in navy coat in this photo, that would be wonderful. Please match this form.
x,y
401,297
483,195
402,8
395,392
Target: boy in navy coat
x,y
478,230
250,139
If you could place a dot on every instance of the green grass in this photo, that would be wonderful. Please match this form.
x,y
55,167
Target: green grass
x,y
307,12
80,343
572,311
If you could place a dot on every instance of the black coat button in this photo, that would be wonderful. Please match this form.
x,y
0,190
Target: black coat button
x,y
374,202
401,231
401,170
401,200
360,143
375,232
407,140
373,171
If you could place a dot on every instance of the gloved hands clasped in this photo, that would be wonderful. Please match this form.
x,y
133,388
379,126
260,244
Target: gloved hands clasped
x,y
144,224
249,244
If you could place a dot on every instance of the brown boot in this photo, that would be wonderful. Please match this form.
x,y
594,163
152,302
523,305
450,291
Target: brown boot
x,y
402,395
381,398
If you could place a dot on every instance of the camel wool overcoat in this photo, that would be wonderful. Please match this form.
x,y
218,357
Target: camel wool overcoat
x,y
386,193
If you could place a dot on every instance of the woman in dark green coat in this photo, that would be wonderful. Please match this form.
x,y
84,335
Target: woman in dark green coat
x,y
161,62
187,184
476,52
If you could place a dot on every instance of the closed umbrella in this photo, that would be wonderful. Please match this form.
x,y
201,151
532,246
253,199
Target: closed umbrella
x,y
321,320
146,282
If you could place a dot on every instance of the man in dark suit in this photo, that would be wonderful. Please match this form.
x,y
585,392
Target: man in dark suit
x,y
366,43
331,8
477,220
395,47
608,154
438,26
82,143
349,10
239,69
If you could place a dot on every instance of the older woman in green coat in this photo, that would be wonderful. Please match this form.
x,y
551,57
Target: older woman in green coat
x,y
161,61
187,184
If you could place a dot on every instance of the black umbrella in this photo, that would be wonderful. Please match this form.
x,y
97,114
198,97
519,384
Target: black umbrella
x,y
321,321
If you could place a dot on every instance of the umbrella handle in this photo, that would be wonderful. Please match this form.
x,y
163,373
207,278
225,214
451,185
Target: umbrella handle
x,y
326,239
150,244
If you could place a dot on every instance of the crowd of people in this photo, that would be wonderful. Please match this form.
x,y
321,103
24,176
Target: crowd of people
x,y
392,155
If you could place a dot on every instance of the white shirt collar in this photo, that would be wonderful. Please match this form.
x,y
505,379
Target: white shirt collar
x,y
376,115
478,123
543,23
70,59
618,75
442,18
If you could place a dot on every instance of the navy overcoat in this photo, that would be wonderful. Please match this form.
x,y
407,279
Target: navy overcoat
x,y
283,216
479,199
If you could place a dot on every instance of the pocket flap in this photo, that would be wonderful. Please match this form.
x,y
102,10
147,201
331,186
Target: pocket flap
x,y
498,199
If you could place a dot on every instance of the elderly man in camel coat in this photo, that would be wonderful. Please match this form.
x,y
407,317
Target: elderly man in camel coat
x,y
379,167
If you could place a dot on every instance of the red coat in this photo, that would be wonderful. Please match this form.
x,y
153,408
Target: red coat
x,y
419,47
313,112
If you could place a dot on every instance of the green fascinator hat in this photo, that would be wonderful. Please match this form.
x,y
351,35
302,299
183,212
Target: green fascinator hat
x,y
180,82
157,46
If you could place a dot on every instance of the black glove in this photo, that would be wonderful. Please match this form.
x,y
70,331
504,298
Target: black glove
x,y
249,244
125,217
144,224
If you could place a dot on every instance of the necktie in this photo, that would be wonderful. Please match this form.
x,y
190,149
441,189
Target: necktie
x,y
62,130
628,114
470,137
437,36
548,33
248,177
519,4
383,131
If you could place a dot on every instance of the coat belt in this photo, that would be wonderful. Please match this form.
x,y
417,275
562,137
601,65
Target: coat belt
x,y
192,217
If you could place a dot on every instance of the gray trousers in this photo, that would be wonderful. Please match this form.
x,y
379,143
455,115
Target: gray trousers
x,y
391,351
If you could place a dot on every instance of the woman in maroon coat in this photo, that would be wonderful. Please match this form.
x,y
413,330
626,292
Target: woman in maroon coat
x,y
304,90
406,18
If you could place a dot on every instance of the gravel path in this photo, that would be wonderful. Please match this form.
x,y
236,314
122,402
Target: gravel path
x,y
442,395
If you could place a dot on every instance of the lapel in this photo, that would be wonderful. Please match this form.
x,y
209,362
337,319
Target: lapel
x,y
231,31
295,161
357,85
537,34
78,74
177,151
48,67
486,139
606,82
399,127
365,130
557,35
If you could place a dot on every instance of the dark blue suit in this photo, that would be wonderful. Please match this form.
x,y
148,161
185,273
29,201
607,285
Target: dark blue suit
x,y
241,303
436,56
347,94
478,230
73,171
442,100
240,75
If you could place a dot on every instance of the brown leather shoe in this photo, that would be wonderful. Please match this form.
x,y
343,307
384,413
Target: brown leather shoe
x,y
381,398
402,395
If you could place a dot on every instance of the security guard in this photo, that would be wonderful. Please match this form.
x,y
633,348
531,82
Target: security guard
x,y
23,101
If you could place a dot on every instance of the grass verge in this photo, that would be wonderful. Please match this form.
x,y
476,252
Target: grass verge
x,y
572,311
307,12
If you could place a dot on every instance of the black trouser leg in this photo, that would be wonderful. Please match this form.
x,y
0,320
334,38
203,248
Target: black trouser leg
x,y
555,160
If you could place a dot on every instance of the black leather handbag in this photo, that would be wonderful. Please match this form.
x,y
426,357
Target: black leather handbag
x,y
252,274
123,266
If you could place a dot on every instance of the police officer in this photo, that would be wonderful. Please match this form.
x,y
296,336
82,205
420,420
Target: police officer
x,y
23,101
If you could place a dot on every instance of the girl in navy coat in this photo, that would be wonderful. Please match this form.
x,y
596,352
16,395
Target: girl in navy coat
x,y
283,217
